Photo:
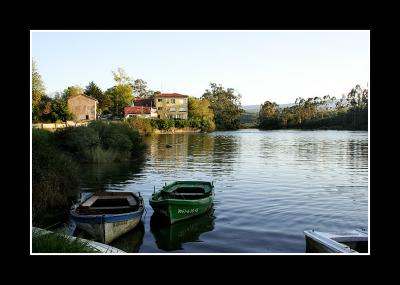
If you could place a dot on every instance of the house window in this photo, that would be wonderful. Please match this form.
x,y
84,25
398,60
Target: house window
x,y
173,101
159,99
172,109
182,109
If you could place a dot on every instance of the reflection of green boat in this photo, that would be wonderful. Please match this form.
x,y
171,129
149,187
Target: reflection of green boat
x,y
172,236
183,199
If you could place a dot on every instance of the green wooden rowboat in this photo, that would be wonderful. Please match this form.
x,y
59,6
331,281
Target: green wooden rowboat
x,y
181,200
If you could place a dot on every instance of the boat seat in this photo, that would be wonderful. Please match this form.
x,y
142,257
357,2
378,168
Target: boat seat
x,y
131,201
111,208
89,202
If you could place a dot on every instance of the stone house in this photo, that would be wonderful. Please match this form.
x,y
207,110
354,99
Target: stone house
x,y
83,107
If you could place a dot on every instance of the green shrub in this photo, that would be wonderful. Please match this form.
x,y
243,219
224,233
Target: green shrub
x,y
78,139
143,125
207,125
114,137
163,124
181,123
101,142
195,123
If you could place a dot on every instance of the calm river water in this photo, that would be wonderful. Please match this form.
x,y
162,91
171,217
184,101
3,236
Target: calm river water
x,y
270,186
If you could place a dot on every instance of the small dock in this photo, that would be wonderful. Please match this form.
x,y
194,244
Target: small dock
x,y
102,248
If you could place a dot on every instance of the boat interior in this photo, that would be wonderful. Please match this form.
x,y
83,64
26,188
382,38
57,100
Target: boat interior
x,y
187,193
359,246
109,203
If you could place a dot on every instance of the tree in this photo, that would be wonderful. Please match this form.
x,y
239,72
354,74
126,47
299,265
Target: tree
x,y
121,77
38,91
299,109
201,109
358,99
45,109
59,110
268,116
54,109
121,94
94,91
140,88
120,97
72,91
225,105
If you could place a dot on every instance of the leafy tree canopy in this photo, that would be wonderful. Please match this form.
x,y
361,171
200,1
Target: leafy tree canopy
x,y
38,89
225,105
72,91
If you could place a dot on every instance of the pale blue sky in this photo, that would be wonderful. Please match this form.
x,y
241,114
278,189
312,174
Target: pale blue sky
x,y
260,65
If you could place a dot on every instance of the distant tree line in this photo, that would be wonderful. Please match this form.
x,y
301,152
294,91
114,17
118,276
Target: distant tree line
x,y
350,112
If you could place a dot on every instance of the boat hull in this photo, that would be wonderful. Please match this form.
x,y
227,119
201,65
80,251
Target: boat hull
x,y
106,228
177,210
349,242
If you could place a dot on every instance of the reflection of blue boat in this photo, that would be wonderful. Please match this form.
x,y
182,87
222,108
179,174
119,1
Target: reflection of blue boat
x,y
108,215
131,241
172,236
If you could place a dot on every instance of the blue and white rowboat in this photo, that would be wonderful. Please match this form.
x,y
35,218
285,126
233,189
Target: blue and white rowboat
x,y
108,215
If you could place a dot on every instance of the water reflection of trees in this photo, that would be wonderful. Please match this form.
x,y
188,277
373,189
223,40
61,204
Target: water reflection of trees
x,y
99,177
169,150
215,153
172,237
357,154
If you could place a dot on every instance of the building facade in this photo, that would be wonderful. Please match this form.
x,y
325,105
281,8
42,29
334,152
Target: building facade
x,y
171,105
83,107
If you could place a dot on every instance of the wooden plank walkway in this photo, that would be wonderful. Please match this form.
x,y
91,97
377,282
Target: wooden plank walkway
x,y
102,248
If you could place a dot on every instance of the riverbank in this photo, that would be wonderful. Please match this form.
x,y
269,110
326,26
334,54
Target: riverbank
x,y
44,241
177,131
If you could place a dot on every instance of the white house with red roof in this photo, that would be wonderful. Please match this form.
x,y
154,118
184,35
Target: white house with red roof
x,y
164,105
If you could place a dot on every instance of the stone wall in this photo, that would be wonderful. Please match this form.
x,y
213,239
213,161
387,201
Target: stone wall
x,y
82,107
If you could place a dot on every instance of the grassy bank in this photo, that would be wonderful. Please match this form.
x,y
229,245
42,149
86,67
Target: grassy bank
x,y
55,243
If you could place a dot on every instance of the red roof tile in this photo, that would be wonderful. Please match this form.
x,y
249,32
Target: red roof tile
x,y
137,110
171,95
